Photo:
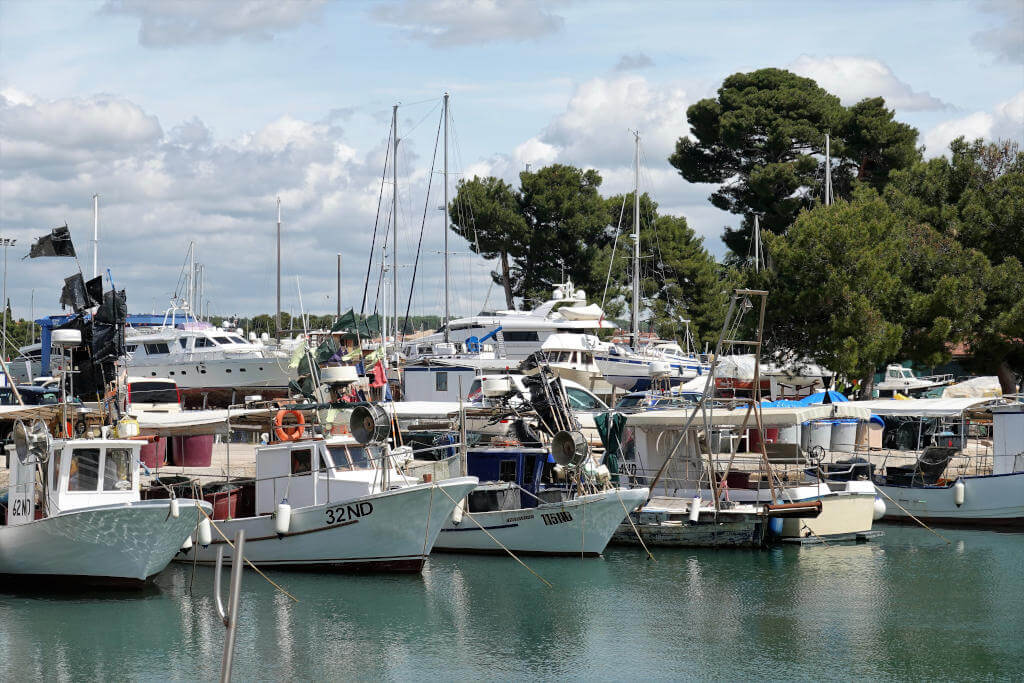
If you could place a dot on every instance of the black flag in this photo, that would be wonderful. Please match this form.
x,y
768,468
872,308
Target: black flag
x,y
57,243
94,288
74,294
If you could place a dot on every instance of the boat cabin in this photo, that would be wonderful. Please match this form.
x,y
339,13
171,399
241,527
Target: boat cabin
x,y
318,471
78,473
502,473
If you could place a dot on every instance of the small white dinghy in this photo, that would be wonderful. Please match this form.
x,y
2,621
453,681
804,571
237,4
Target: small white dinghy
x,y
73,512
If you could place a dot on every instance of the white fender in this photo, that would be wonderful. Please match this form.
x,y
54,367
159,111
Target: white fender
x,y
205,534
959,492
174,508
879,510
695,509
187,545
284,518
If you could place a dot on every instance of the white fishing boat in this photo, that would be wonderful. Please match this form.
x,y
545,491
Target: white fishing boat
x,y
903,380
956,478
337,504
74,514
513,510
571,357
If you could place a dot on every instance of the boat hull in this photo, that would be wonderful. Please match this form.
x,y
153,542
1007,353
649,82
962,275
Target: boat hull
x,y
112,544
990,501
389,531
581,526
634,374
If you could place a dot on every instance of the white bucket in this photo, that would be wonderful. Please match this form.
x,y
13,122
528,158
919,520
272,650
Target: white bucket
x,y
820,434
844,436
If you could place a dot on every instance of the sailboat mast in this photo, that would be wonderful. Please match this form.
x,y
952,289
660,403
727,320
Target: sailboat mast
x,y
394,219
278,318
757,245
447,310
95,234
635,311
828,171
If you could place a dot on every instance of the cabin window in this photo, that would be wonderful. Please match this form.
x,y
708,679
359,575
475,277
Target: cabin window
x,y
302,461
441,381
360,456
130,348
520,336
117,473
55,468
507,470
529,465
84,471
203,342
222,340
157,349
153,392
237,340
183,342
581,400
339,456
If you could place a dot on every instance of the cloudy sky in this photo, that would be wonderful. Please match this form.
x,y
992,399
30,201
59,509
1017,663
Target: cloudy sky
x,y
190,118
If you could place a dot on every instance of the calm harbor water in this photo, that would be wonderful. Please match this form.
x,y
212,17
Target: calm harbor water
x,y
905,606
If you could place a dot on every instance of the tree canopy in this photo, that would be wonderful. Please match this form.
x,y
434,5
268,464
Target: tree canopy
x,y
763,139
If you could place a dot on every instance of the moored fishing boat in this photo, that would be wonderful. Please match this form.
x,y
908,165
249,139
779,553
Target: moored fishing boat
x,y
74,512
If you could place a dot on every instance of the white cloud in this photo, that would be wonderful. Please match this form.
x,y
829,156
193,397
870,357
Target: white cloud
x,y
1005,121
1006,39
166,24
445,23
855,78
159,191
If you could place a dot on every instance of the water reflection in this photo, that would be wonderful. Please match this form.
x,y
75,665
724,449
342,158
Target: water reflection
x,y
907,605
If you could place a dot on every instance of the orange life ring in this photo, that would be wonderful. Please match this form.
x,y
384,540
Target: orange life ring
x,y
290,433
70,430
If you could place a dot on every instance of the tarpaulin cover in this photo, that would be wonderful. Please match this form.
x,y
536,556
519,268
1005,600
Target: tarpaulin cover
x,y
610,427
57,243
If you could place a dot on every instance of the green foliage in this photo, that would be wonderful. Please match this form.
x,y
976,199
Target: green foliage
x,y
680,279
836,286
485,211
763,138
568,225
759,138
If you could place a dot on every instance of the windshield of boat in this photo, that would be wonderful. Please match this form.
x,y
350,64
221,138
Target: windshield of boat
x,y
581,400
153,392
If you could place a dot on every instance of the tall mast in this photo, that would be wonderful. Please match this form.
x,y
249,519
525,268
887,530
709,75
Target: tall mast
x,y
828,171
339,285
394,220
278,318
191,275
757,244
95,234
635,311
447,311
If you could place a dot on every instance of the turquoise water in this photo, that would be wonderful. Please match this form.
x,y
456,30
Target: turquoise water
x,y
905,606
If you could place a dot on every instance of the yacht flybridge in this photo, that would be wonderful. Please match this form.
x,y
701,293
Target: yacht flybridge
x,y
514,335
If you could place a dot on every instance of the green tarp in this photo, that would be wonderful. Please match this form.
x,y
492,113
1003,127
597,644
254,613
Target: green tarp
x,y
610,427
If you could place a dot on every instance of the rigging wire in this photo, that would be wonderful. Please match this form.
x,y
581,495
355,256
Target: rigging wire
x,y
423,225
376,223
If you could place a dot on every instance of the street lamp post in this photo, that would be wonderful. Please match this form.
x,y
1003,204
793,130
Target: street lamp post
x,y
6,242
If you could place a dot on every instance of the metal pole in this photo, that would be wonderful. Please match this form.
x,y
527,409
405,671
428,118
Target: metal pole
x,y
278,318
757,245
394,221
828,171
447,310
635,327
339,285
32,315
95,234
230,615
7,242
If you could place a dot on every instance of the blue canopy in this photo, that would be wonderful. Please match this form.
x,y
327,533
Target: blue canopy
x,y
782,403
815,399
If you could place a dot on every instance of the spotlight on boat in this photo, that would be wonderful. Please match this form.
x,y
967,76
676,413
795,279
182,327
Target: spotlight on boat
x,y
31,442
369,424
569,448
